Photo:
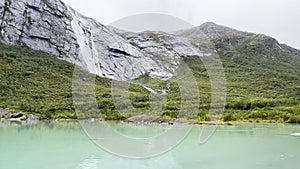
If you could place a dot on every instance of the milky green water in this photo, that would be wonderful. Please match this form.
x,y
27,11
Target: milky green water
x,y
64,145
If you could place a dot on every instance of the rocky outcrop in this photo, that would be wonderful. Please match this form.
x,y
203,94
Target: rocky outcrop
x,y
18,116
115,54
210,30
5,114
40,24
53,27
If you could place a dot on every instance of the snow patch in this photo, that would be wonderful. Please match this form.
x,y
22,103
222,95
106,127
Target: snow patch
x,y
155,91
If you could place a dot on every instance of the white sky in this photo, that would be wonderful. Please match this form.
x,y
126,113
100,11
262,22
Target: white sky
x,y
277,18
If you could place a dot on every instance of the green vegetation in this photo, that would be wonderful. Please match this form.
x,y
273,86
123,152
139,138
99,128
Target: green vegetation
x,y
260,87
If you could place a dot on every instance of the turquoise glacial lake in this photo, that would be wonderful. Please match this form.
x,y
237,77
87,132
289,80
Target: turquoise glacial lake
x,y
65,145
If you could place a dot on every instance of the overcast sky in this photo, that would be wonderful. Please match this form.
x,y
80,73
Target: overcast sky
x,y
277,18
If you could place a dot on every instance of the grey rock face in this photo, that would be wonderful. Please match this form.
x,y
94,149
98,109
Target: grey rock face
x,y
40,24
210,30
115,54
53,27
31,117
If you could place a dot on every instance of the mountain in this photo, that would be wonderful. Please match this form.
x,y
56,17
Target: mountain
x,y
54,27
262,75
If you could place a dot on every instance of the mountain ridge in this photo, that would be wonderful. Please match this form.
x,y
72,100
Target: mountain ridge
x,y
54,27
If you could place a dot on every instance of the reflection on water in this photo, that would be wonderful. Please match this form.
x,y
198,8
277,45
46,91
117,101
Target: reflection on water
x,y
136,141
64,145
89,163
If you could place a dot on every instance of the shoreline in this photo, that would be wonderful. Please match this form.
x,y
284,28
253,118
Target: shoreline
x,y
12,115
92,120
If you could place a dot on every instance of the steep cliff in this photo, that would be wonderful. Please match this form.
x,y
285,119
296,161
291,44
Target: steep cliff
x,y
53,27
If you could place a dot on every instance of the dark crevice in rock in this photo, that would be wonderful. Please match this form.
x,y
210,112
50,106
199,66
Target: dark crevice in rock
x,y
136,45
34,8
113,70
46,21
39,37
119,51
116,56
58,15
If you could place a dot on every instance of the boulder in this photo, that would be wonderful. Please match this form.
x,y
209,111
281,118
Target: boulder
x,y
5,114
23,118
141,119
31,117
16,115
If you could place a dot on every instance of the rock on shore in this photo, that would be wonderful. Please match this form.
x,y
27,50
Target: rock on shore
x,y
7,115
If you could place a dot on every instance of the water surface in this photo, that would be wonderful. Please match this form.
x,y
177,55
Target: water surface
x,y
64,145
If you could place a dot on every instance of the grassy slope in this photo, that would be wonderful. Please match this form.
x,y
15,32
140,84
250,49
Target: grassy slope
x,y
259,88
263,80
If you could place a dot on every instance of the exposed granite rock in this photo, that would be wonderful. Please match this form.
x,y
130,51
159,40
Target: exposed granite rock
x,y
210,30
5,114
31,117
55,28
20,116
40,24
112,53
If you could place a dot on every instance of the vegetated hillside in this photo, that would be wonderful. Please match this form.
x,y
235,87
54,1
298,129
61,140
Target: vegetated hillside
x,y
36,82
261,85
263,77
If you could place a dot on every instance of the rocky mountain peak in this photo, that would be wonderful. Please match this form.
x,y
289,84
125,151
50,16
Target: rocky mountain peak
x,y
211,30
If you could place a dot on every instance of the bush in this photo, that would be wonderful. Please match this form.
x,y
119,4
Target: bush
x,y
294,119
229,117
